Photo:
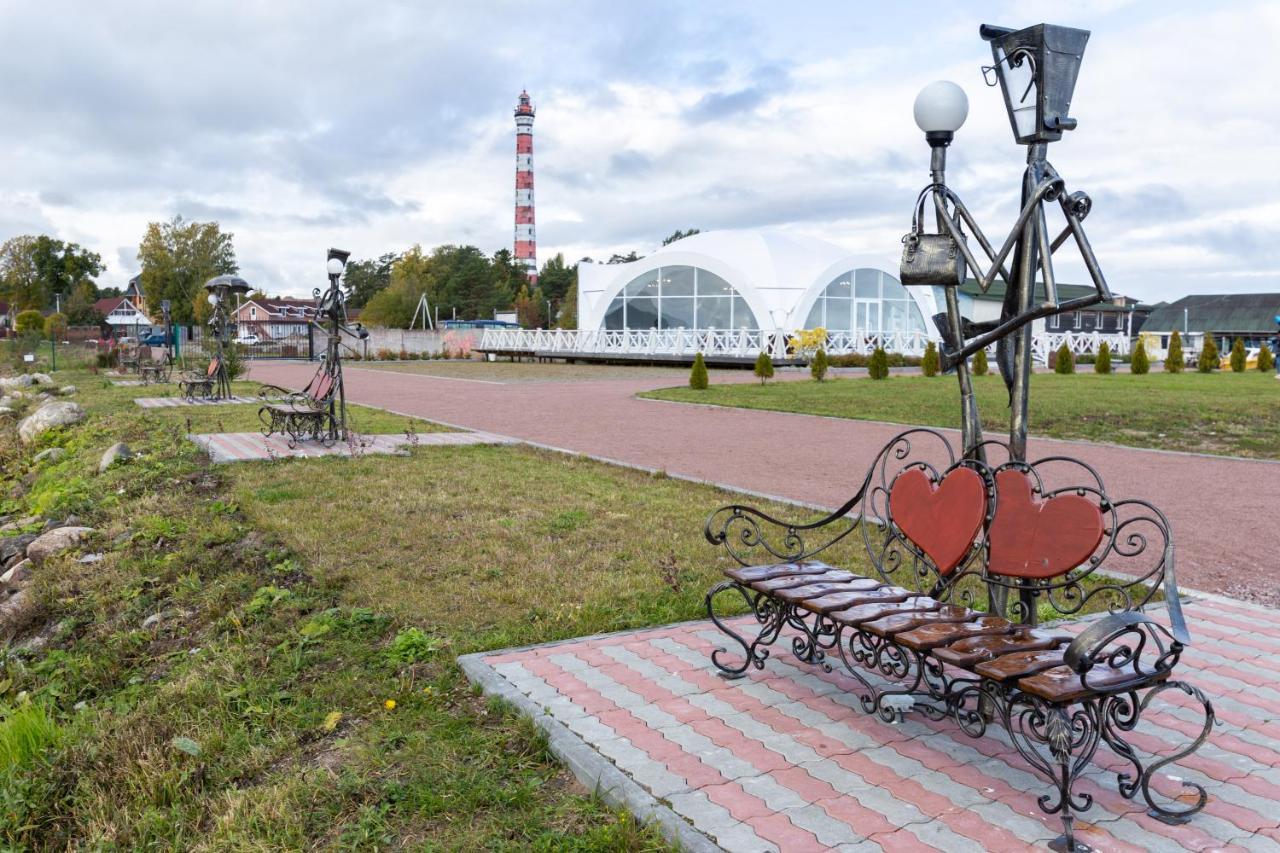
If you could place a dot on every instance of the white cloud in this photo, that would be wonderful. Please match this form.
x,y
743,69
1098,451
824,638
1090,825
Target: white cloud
x,y
375,126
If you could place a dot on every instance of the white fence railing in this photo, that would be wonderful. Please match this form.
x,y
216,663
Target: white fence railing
x,y
745,343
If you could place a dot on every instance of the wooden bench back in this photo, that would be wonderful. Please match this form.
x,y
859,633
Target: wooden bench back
x,y
1045,532
213,367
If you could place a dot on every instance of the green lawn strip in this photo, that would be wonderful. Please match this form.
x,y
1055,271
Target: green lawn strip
x,y
1223,413
253,714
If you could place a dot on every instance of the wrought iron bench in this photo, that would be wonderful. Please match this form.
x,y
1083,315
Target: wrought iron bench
x,y
153,371
302,415
965,558
193,384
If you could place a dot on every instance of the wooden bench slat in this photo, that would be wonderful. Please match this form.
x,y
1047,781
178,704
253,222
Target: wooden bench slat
x,y
861,613
929,637
845,600
816,590
891,625
1063,684
751,574
967,653
1019,664
788,582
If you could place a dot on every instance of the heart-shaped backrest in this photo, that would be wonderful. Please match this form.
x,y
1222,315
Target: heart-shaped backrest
x,y
941,519
1034,538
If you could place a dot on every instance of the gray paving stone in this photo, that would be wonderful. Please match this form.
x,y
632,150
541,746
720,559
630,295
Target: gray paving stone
x,y
932,780
1026,828
775,796
837,777
642,768
939,835
743,839
589,729
825,828
708,817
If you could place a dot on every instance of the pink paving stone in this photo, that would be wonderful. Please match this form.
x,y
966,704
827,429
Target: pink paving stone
x,y
901,841
779,829
741,805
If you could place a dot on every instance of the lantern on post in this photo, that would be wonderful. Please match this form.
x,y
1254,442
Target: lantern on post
x,y
1036,69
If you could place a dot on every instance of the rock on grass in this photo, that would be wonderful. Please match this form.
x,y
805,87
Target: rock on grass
x,y
47,417
55,542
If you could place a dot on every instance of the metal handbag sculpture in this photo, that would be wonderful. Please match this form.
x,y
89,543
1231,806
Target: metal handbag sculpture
x,y
929,259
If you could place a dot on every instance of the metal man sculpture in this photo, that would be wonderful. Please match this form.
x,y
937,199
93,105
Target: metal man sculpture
x,y
1036,69
220,291
331,318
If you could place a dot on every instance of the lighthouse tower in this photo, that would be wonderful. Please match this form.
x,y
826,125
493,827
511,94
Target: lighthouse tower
x,y
526,249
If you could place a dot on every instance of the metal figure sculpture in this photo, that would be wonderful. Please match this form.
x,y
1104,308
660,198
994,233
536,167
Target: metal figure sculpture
x,y
319,412
1036,69
215,383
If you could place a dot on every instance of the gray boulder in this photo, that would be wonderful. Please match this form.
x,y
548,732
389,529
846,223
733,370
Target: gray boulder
x,y
42,379
7,412
10,400
17,575
51,454
16,612
67,389
47,417
12,548
117,453
10,383
55,542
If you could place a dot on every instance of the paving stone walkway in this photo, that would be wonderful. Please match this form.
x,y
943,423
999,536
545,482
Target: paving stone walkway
x,y
174,402
784,760
225,447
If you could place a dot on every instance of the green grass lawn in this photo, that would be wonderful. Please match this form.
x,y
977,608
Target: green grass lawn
x,y
1222,413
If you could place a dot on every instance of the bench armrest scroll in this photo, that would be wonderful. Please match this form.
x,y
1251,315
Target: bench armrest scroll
x,y
1118,641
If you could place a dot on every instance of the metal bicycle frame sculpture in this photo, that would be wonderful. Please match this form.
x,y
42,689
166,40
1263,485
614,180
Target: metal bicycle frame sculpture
x,y
1124,660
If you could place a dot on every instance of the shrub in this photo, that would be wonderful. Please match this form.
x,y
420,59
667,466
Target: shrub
x,y
1065,362
1238,358
233,361
384,354
1209,357
1266,361
55,326
1140,364
878,366
1102,364
929,364
698,376
764,367
1174,362
30,320
980,366
818,367
856,359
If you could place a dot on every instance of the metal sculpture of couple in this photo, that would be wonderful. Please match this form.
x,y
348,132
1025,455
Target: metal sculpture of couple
x,y
1036,69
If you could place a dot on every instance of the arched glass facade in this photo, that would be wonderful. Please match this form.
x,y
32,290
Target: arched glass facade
x,y
679,297
867,301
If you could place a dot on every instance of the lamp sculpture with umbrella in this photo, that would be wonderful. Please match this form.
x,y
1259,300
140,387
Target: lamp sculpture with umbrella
x,y
221,289
1036,70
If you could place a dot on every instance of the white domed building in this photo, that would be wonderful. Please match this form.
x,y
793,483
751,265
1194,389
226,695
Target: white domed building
x,y
753,287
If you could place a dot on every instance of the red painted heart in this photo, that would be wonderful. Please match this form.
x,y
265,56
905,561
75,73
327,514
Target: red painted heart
x,y
942,520
1033,538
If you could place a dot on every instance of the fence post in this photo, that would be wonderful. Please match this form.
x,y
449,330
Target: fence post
x,y
311,342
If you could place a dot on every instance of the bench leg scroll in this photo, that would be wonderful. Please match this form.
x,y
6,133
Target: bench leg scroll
x,y
1058,742
1120,714
770,614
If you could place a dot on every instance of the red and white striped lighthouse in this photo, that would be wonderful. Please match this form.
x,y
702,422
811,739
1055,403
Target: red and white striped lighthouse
x,y
526,240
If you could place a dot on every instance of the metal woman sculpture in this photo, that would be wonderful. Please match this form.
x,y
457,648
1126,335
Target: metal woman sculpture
x,y
1036,69
331,317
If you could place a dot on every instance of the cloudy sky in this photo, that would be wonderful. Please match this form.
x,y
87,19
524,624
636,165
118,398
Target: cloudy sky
x,y
372,126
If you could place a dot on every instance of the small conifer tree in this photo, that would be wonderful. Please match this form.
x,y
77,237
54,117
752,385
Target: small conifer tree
x,y
764,367
1238,358
1209,357
1102,363
818,367
878,366
698,376
1140,364
1065,361
1174,362
929,363
1266,360
980,366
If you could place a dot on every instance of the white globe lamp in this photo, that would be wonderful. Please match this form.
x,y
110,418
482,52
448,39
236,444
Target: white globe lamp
x,y
335,267
940,110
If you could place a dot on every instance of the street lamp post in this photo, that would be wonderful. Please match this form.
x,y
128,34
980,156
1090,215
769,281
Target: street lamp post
x,y
331,317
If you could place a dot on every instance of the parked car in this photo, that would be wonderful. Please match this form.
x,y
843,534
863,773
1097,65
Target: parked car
x,y
248,340
155,339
